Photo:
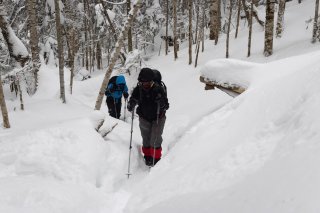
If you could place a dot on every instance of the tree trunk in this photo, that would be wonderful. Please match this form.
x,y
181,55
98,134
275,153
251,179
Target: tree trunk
x,y
20,94
60,51
238,18
167,25
268,37
250,30
315,22
202,31
129,30
99,56
72,56
116,53
175,45
218,22
279,28
199,37
34,40
4,111
71,40
190,31
83,53
228,33
86,34
197,23
214,20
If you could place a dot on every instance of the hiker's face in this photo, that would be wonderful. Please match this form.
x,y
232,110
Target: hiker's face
x,y
146,84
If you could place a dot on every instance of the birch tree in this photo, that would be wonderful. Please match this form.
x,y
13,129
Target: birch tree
x,y
116,53
200,35
315,23
228,32
279,28
268,36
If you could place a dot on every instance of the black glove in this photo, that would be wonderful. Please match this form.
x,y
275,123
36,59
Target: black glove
x,y
163,105
132,103
107,92
125,95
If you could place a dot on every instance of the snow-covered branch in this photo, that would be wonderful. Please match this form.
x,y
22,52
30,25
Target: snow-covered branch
x,y
116,3
16,48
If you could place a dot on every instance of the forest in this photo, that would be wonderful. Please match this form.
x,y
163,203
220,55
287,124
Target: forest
x,y
102,36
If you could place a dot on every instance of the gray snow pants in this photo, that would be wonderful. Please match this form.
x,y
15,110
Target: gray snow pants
x,y
151,132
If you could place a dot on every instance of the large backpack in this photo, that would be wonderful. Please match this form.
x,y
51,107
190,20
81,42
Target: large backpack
x,y
158,79
112,80
114,89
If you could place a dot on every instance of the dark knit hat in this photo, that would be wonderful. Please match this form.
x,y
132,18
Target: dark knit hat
x,y
146,74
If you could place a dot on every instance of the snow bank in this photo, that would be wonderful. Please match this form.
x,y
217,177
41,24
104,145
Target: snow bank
x,y
230,72
52,170
256,154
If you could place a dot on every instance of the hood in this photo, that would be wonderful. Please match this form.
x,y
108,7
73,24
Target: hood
x,y
121,80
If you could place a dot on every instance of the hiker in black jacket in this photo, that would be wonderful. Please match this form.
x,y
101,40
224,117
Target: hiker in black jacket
x,y
152,105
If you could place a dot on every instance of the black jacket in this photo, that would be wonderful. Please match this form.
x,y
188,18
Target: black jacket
x,y
148,101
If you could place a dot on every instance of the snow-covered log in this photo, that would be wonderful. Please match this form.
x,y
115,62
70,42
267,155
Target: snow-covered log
x,y
231,90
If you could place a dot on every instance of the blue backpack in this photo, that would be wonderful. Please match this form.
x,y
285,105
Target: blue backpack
x,y
116,87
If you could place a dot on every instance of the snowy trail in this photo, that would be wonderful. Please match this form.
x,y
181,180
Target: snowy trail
x,y
255,152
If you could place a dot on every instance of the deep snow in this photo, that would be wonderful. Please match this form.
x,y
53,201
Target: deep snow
x,y
254,153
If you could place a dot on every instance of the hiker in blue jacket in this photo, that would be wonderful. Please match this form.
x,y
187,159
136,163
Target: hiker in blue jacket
x,y
116,88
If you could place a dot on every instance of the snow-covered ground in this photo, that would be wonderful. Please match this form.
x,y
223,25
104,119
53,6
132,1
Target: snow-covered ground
x,y
254,153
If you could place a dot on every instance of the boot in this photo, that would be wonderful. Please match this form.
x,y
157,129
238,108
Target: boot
x,y
148,160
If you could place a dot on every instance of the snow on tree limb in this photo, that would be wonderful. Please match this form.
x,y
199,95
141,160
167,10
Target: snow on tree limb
x,y
16,48
116,3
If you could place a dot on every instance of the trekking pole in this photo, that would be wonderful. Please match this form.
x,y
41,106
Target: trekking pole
x,y
154,142
130,145
124,110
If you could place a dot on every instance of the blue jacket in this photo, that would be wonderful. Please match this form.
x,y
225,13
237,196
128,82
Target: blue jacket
x,y
117,89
